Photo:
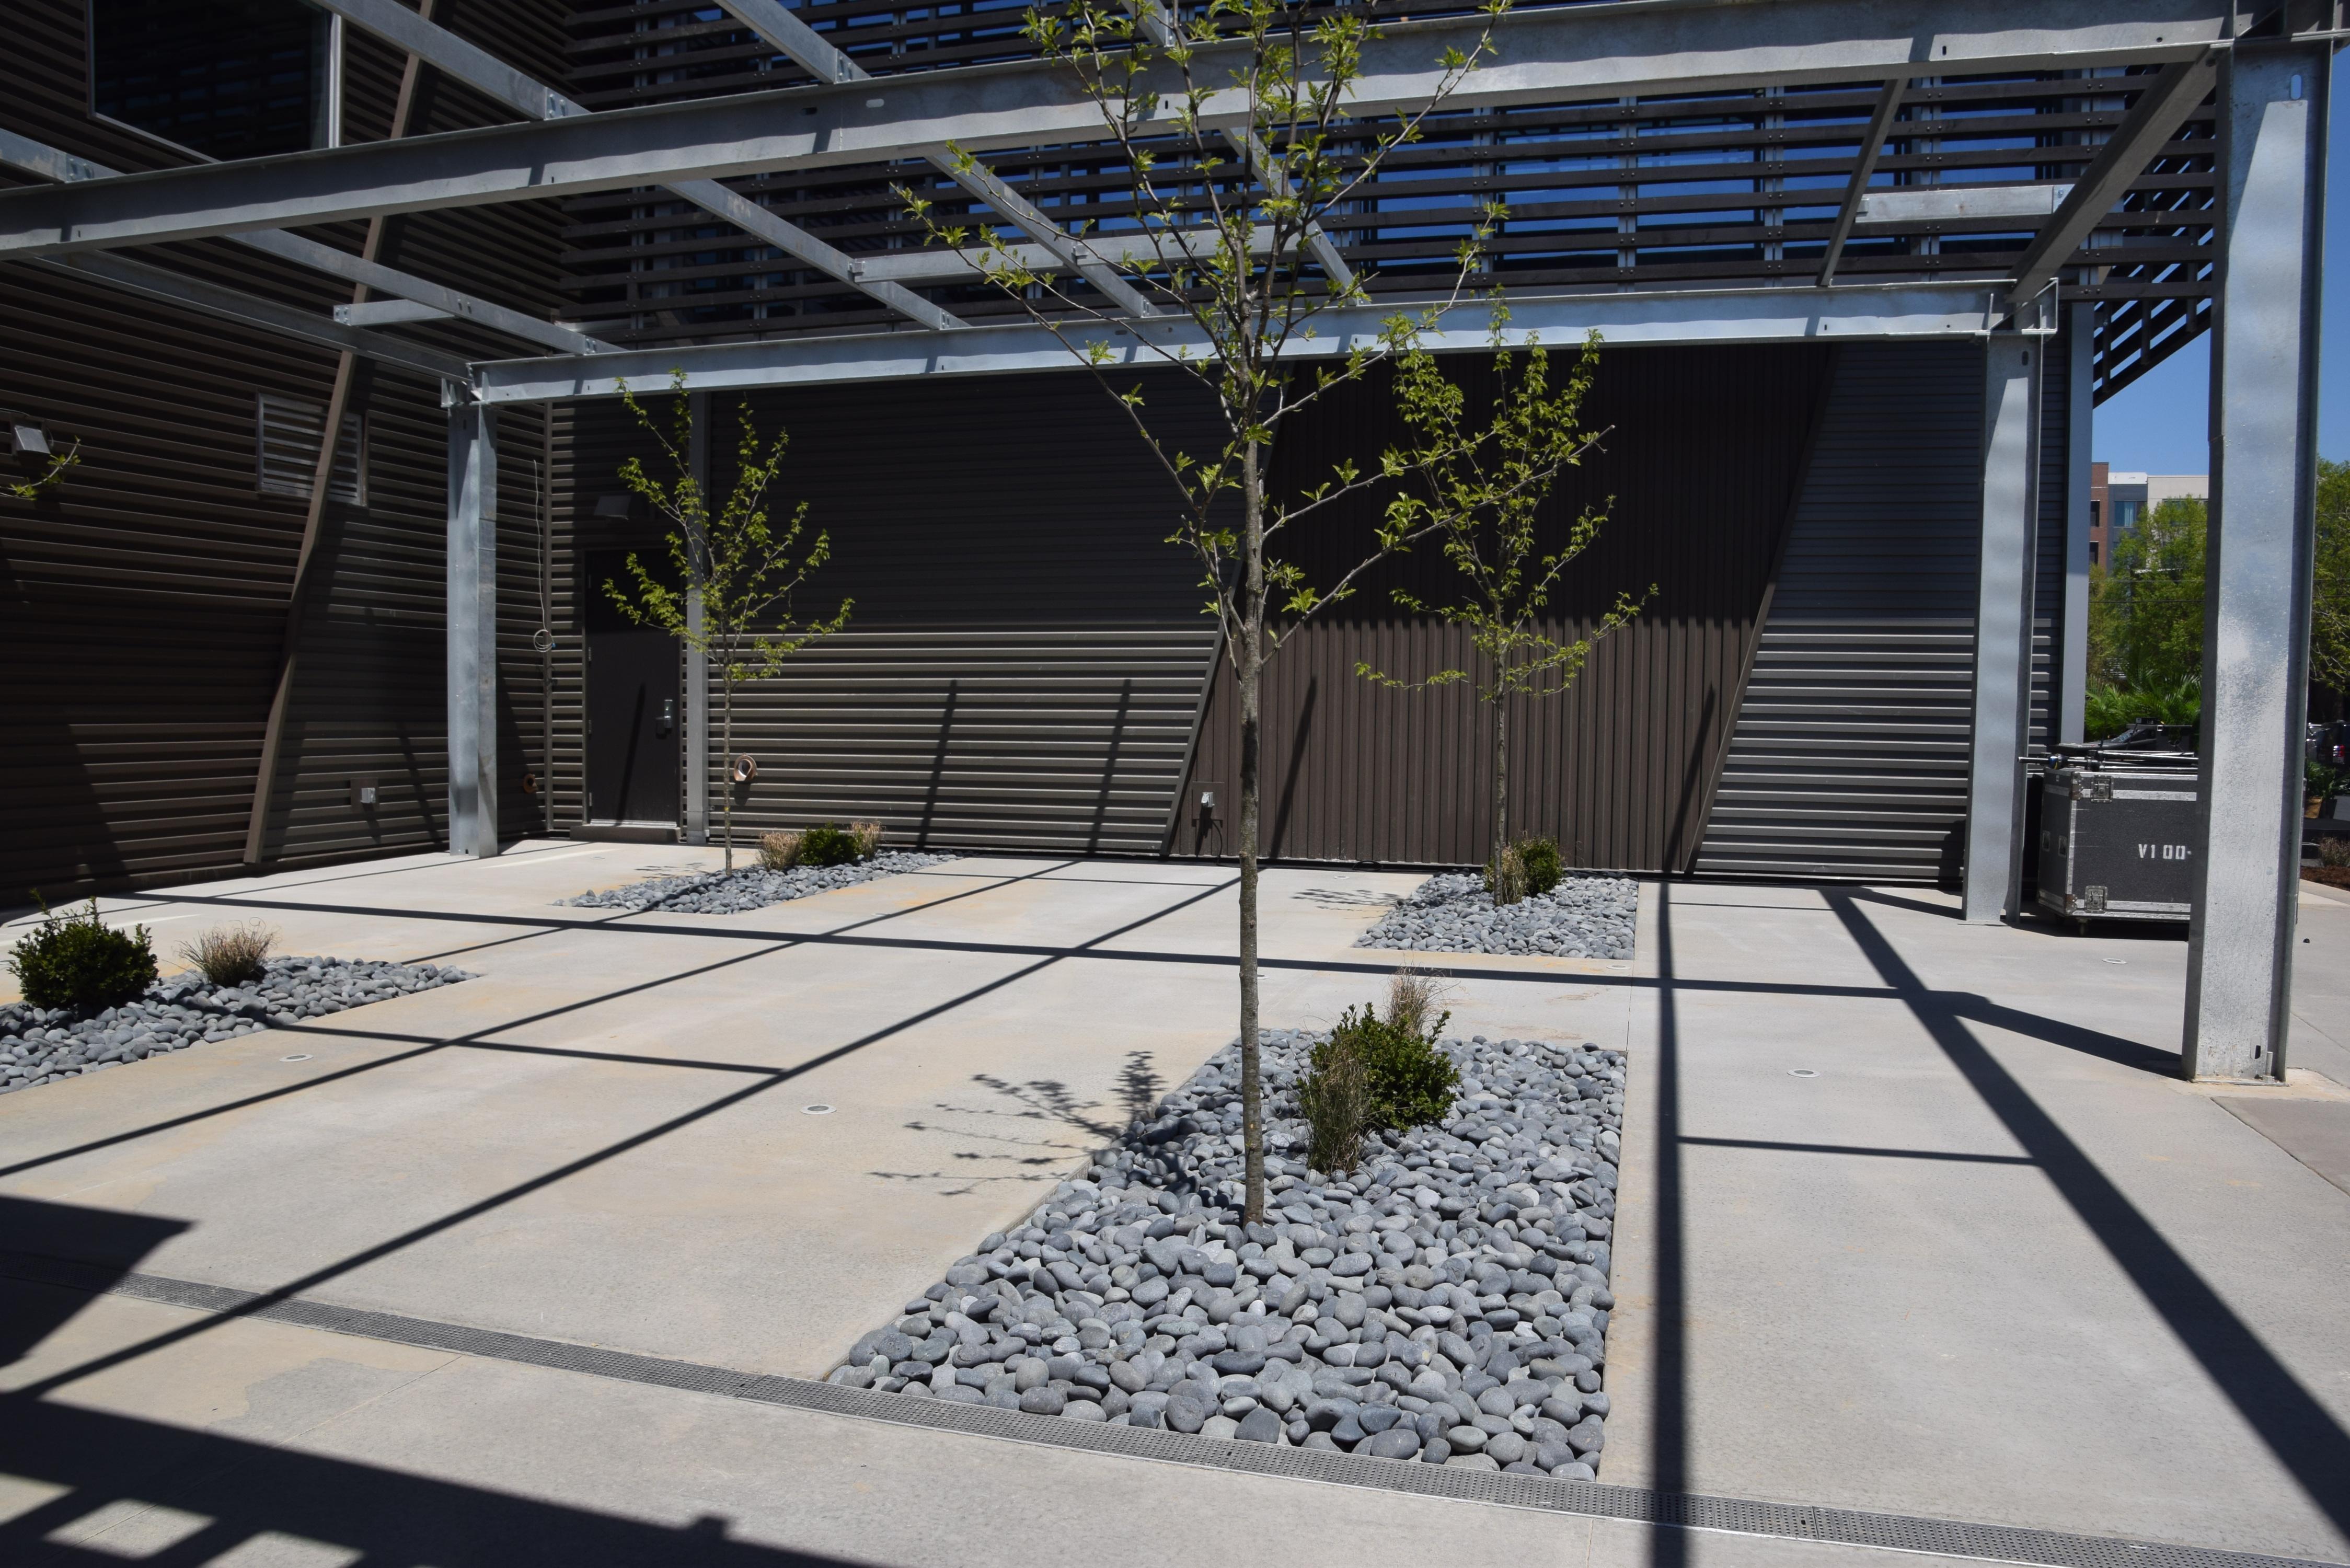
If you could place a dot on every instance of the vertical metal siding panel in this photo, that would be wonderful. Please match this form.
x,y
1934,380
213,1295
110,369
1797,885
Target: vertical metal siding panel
x,y
1023,665
1701,464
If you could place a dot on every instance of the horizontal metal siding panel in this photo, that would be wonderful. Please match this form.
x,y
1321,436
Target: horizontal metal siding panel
x,y
1850,754
144,610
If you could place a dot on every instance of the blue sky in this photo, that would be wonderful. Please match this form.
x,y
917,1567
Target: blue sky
x,y
2162,423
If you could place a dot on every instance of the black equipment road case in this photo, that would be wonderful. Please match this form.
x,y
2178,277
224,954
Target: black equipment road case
x,y
2117,835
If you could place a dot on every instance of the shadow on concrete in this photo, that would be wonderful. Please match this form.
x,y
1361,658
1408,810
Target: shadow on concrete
x,y
1036,1118
113,1243
2307,1441
226,1493
768,1078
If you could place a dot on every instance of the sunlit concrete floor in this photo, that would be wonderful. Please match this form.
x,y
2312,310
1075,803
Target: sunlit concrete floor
x,y
1992,1262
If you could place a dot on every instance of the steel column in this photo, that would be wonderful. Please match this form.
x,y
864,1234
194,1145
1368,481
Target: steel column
x,y
2257,593
2002,699
2080,428
473,631
697,666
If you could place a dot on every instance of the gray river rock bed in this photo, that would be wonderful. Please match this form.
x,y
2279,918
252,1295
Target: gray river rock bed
x,y
1583,917
1445,1304
717,893
42,1046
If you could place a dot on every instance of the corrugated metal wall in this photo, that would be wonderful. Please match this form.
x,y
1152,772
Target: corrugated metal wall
x,y
1701,464
1026,653
143,601
1850,758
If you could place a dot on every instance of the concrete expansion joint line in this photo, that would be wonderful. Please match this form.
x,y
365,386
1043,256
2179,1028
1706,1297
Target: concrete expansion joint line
x,y
1599,1499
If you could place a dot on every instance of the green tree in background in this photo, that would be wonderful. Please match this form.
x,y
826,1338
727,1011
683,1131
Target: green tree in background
x,y
2329,606
2146,611
2145,605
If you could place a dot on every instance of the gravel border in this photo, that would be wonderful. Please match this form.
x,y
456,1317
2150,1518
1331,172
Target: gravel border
x,y
755,887
1446,1302
41,1045
1583,917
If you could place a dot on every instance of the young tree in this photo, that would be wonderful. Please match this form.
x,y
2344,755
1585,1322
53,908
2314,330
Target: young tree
x,y
52,472
1483,469
1230,129
739,573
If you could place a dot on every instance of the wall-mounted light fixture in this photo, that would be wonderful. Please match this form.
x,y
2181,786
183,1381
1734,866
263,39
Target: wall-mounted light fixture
x,y
614,506
26,434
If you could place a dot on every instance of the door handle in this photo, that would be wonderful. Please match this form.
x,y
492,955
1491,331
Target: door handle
x,y
669,715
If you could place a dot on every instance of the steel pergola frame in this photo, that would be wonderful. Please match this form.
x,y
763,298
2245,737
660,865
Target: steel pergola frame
x,y
2267,68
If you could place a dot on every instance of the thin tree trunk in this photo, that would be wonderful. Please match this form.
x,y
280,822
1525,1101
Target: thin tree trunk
x,y
726,749
1500,778
1249,669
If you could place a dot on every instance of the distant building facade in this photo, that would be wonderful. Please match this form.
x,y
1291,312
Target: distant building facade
x,y
2117,500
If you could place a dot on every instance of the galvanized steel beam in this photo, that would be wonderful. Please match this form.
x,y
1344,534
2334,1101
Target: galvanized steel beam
x,y
2014,363
2071,692
2273,110
782,30
2161,109
1855,190
1946,310
250,310
1548,56
473,631
46,162
398,25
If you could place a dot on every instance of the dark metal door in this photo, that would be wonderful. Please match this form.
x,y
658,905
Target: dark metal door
x,y
633,708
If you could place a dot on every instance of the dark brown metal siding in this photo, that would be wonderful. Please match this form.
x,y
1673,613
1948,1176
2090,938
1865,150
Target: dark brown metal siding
x,y
144,602
1852,750
1701,463
1026,652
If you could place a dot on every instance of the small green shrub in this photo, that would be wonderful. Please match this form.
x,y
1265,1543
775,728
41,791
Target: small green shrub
x,y
1336,1098
1411,1081
79,961
2321,781
1529,867
231,955
827,844
1540,856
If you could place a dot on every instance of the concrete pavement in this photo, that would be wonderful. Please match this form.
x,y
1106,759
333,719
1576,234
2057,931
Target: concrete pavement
x,y
1987,1262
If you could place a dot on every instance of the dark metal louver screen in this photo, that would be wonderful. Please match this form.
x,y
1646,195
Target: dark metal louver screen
x,y
1850,755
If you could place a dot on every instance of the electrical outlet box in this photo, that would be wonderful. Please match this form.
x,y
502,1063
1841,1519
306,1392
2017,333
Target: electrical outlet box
x,y
364,794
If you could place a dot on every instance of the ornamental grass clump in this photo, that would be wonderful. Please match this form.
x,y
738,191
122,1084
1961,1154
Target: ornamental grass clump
x,y
78,962
231,955
1377,1074
779,851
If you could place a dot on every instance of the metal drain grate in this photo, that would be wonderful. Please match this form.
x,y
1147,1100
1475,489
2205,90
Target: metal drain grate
x,y
1741,1516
